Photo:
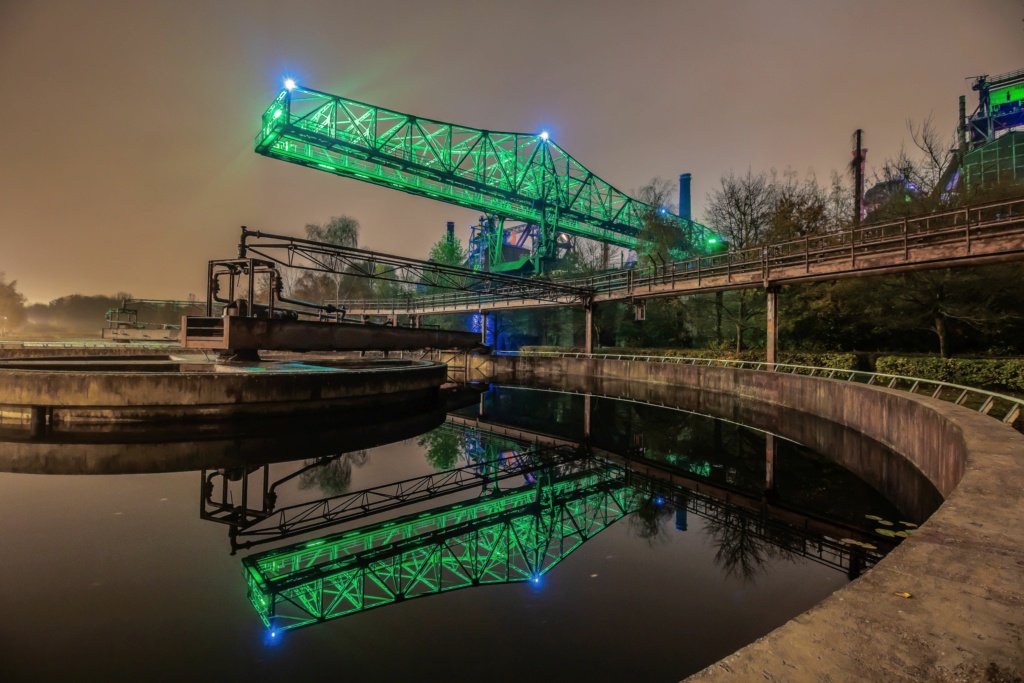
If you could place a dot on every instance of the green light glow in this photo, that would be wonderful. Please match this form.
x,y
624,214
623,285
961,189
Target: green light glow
x,y
515,176
1002,96
512,536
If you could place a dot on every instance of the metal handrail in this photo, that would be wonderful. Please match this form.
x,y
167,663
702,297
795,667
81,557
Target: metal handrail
x,y
970,222
980,400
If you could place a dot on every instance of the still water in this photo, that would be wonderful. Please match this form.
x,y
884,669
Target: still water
x,y
566,538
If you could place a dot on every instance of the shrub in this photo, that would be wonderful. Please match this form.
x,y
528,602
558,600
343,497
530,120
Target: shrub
x,y
1005,374
841,361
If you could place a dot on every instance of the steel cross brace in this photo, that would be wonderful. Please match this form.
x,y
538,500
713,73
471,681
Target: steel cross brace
x,y
304,254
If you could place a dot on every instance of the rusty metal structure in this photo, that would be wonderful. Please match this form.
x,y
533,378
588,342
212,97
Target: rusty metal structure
x,y
973,235
257,315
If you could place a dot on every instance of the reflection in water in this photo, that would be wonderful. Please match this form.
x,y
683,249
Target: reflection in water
x,y
742,549
444,448
648,520
505,537
491,460
334,476
501,493
562,497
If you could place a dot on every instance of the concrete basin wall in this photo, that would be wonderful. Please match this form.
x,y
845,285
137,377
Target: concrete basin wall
x,y
964,568
127,396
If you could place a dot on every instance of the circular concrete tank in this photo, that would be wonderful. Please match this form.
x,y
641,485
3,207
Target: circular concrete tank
x,y
52,392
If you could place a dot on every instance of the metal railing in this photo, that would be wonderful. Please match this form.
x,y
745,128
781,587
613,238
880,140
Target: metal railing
x,y
999,406
964,227
957,225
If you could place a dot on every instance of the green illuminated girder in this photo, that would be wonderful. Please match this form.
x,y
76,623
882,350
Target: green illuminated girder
x,y
511,175
510,537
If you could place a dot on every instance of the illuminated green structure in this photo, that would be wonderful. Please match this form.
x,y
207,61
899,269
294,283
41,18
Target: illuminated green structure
x,y
512,536
999,161
518,176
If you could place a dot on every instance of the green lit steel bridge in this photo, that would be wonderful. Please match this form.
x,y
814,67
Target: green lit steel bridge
x,y
529,177
512,536
518,176
515,535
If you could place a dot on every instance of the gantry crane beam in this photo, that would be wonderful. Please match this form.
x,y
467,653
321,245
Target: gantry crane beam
x,y
295,252
520,176
510,537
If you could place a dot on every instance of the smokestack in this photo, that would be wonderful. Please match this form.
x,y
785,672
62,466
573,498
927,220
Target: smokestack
x,y
684,197
451,231
859,153
963,123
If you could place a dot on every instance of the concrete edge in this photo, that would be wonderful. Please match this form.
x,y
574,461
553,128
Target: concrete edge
x,y
963,569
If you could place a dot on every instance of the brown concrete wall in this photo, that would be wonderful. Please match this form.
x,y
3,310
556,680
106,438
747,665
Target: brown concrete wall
x,y
178,395
964,568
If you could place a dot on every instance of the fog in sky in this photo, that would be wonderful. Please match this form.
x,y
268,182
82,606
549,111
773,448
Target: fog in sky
x,y
126,128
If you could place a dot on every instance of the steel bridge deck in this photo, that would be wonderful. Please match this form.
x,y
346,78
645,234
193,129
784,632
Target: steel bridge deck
x,y
991,233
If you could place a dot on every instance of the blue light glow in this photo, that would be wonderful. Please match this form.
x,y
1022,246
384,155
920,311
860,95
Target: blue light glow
x,y
289,84
659,501
544,135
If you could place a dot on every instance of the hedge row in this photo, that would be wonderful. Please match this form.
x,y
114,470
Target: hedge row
x,y
996,374
842,361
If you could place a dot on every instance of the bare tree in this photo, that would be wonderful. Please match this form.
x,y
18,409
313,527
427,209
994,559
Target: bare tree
x,y
343,231
742,209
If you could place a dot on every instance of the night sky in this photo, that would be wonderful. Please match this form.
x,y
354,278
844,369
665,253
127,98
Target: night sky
x,y
126,128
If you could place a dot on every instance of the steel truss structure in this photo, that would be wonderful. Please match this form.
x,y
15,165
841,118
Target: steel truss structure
x,y
502,460
519,176
304,254
1000,107
509,537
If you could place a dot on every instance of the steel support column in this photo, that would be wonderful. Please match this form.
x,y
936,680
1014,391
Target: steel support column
x,y
588,339
587,411
771,449
773,324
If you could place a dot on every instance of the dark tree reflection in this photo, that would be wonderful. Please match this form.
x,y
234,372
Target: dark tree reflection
x,y
744,546
648,522
444,448
333,476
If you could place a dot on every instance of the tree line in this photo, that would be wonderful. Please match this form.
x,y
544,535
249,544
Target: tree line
x,y
963,311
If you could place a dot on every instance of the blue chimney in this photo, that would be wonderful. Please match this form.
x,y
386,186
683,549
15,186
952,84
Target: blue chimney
x,y
684,197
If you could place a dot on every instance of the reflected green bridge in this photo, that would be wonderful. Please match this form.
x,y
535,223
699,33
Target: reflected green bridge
x,y
507,537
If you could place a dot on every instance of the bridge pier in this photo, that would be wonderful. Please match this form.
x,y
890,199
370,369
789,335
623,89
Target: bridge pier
x,y
771,449
773,324
588,338
586,417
